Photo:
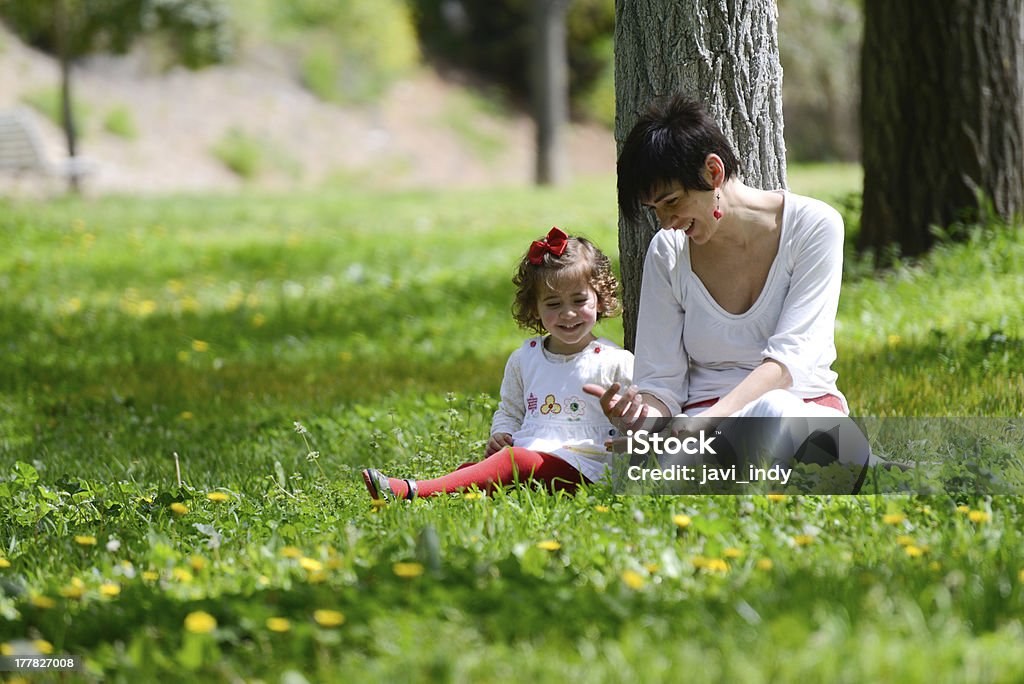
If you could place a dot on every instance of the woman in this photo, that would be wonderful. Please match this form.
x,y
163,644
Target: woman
x,y
740,287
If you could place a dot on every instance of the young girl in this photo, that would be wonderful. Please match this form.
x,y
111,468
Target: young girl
x,y
546,428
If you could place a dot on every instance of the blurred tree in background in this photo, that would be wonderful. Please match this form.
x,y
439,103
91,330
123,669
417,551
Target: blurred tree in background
x,y
196,32
492,39
819,47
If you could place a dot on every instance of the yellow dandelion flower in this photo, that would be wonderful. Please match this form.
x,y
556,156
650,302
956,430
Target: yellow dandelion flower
x,y
311,564
183,356
186,415
74,590
894,518
472,496
258,320
602,509
803,539
110,589
717,565
633,579
199,346
681,521
893,340
652,568
200,622
189,304
317,577
732,552
979,516
1020,575
197,563
218,497
146,307
914,551
150,576
44,602
378,504
699,562
963,509
407,570
279,624
43,646
765,564
328,618
6,649
935,566
549,545
291,552
85,540
777,497
182,575
905,540
4,563
179,508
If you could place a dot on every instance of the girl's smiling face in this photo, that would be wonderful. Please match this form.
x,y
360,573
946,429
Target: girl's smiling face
x,y
568,311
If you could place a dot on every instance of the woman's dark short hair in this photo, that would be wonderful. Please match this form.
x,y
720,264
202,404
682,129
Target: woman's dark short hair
x,y
669,144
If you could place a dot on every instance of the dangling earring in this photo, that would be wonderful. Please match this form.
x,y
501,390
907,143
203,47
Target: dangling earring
x,y
717,213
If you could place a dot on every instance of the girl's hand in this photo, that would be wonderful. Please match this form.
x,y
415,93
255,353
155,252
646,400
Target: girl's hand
x,y
497,442
627,411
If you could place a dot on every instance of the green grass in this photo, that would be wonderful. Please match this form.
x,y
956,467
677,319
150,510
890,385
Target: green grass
x,y
120,122
134,329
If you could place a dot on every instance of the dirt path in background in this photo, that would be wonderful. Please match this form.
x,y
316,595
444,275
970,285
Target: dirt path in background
x,y
410,138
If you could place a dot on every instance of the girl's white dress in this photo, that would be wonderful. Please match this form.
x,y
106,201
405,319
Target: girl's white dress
x,y
544,408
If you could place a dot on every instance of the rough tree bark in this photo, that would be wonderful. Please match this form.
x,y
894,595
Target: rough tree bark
x,y
550,83
722,52
942,117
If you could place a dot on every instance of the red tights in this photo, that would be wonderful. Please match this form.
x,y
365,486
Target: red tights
x,y
505,467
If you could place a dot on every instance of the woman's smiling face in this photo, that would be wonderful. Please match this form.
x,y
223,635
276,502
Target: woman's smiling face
x,y
690,211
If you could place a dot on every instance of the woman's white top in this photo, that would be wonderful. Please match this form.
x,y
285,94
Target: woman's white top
x,y
544,408
689,349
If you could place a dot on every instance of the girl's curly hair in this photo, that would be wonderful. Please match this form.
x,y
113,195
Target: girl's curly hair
x,y
580,260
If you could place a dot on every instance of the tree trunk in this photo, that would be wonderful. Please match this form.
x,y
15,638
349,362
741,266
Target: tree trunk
x,y
724,53
550,83
62,21
943,117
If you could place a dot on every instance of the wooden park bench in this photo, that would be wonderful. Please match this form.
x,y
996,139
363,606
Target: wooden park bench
x,y
22,151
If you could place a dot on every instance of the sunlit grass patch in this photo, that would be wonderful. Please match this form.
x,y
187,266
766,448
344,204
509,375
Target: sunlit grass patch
x,y
160,513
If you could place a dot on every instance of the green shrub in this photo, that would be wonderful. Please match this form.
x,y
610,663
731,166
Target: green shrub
x,y
120,122
357,48
241,152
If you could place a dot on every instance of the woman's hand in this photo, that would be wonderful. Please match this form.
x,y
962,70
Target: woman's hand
x,y
628,411
497,442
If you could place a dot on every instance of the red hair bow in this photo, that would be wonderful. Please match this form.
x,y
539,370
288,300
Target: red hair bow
x,y
555,243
